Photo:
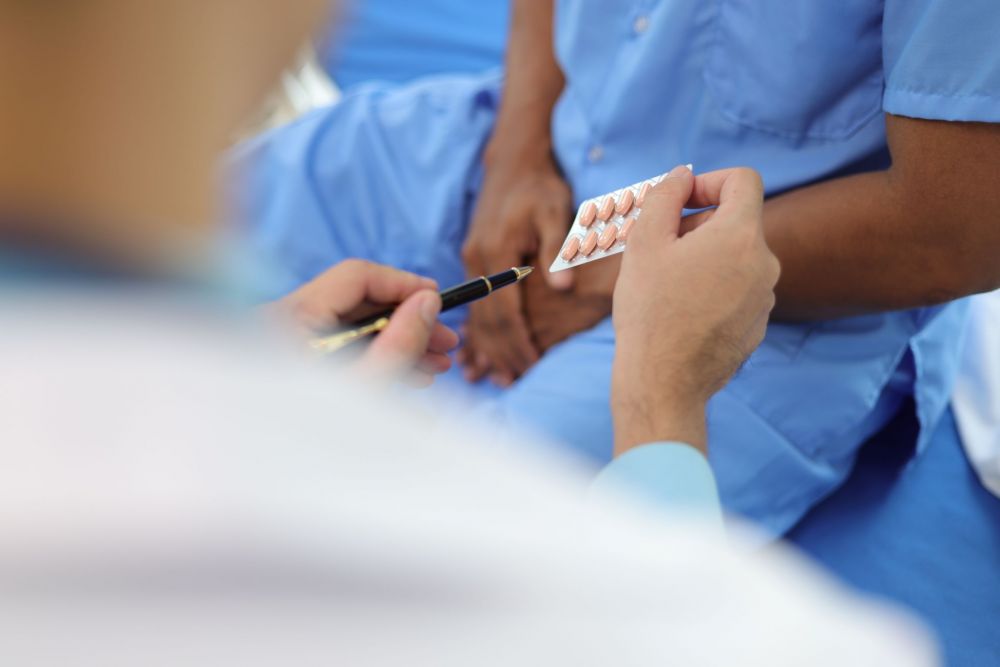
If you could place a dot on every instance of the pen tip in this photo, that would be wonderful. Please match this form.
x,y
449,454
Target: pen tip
x,y
524,271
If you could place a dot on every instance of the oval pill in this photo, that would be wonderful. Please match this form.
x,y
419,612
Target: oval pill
x,y
589,243
571,249
607,208
625,203
626,228
588,214
643,191
608,237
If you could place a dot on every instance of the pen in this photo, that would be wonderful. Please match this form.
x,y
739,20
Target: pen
x,y
453,297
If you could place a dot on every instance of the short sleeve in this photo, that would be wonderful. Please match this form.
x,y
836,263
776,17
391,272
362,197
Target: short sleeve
x,y
942,59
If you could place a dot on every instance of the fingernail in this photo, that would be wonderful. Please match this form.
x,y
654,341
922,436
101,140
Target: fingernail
x,y
430,306
679,170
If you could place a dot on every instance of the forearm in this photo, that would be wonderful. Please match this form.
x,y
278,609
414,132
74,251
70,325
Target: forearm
x,y
844,250
921,233
532,83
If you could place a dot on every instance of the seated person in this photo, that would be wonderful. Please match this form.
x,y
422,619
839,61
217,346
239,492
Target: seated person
x,y
875,130
447,180
174,485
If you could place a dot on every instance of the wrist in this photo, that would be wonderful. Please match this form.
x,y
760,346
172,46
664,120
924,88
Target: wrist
x,y
641,422
517,148
654,405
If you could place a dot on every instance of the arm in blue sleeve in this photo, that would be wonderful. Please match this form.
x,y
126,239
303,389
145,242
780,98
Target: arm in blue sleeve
x,y
941,60
670,476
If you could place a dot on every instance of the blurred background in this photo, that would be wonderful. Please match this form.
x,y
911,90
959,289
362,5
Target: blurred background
x,y
399,40
388,41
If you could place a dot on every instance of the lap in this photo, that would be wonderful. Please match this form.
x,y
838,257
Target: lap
x,y
924,533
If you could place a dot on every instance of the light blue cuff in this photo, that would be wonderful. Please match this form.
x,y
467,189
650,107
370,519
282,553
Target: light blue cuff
x,y
669,475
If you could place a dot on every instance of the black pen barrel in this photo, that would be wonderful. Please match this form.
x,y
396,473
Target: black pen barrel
x,y
459,295
462,294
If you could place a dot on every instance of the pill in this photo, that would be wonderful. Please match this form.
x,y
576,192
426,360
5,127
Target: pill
x,y
643,191
608,237
571,249
626,228
607,208
589,243
625,203
588,214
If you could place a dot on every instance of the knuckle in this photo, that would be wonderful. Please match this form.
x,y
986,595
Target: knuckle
x,y
355,264
502,324
774,269
770,301
750,177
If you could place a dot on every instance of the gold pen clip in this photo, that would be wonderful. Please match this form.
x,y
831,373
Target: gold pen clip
x,y
337,341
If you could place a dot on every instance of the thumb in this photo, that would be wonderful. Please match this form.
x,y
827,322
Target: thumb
x,y
660,219
550,245
402,344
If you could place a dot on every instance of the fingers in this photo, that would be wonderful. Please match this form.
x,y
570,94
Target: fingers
x,y
405,341
660,220
498,331
738,193
475,365
552,223
357,280
435,360
443,340
503,337
326,299
689,223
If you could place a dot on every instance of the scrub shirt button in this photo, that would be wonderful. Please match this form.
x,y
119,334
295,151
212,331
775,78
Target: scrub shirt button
x,y
640,25
595,154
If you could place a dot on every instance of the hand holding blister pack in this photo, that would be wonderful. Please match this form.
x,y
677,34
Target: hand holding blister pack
x,y
603,224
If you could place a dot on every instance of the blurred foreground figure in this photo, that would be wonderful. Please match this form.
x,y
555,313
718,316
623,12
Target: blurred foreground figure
x,y
173,493
179,487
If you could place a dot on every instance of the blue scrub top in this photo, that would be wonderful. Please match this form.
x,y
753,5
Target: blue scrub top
x,y
401,40
797,90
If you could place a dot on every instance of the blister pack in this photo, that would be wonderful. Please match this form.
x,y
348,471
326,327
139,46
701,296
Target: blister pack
x,y
602,225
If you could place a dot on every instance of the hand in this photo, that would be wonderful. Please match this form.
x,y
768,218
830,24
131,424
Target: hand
x,y
692,302
414,343
524,211
555,315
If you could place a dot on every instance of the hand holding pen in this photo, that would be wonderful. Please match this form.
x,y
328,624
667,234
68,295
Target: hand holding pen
x,y
404,336
414,343
453,297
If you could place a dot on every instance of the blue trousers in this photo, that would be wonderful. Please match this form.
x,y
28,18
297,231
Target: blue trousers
x,y
922,532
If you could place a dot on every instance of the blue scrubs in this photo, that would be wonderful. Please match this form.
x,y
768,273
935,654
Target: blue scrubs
x,y
925,534
796,90
401,40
